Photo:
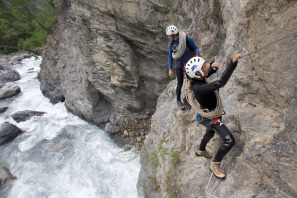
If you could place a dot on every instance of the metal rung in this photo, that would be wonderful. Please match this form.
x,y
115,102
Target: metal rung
x,y
203,164
208,186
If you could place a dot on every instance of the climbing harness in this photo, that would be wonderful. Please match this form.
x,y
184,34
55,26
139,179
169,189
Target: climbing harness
x,y
204,110
181,46
215,120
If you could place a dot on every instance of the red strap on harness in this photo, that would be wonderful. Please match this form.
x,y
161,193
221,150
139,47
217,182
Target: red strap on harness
x,y
216,119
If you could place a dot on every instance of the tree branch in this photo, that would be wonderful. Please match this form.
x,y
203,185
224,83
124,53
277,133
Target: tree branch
x,y
33,17
18,48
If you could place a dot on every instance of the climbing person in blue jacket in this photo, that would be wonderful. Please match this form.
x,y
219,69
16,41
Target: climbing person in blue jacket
x,y
197,71
180,46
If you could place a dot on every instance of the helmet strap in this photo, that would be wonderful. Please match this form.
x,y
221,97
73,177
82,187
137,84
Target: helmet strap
x,y
199,74
174,35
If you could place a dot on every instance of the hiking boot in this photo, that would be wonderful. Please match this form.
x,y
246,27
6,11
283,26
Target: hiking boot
x,y
204,153
215,167
181,106
186,104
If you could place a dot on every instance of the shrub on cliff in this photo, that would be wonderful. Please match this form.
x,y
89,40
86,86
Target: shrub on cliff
x,y
24,24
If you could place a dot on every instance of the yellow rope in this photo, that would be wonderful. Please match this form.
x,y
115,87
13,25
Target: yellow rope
x,y
196,106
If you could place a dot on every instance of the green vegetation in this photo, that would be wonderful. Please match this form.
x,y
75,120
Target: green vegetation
x,y
24,24
172,187
170,183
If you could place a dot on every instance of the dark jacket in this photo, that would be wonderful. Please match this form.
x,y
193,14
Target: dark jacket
x,y
204,92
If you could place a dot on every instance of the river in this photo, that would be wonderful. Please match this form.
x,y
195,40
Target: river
x,y
60,155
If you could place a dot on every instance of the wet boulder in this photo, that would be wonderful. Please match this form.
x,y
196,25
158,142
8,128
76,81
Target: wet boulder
x,y
8,75
111,128
3,109
5,175
8,132
21,116
8,91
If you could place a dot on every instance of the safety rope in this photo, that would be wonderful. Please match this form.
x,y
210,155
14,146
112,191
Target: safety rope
x,y
219,108
203,163
181,46
206,191
269,44
196,106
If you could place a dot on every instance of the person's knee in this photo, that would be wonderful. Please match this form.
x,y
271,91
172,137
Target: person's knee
x,y
229,141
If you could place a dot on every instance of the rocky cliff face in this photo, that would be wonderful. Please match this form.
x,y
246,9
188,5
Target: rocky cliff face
x,y
108,59
260,104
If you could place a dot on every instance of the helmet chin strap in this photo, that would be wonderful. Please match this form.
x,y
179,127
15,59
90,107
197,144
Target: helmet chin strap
x,y
201,76
173,35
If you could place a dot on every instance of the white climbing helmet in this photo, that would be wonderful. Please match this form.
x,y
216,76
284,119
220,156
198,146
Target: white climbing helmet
x,y
172,29
193,65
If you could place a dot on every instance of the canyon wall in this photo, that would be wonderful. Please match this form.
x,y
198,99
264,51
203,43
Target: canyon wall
x,y
108,60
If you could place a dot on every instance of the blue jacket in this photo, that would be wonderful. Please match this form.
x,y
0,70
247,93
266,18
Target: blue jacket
x,y
186,56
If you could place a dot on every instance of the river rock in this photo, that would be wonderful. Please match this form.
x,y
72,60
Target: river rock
x,y
13,58
126,133
19,57
8,91
8,132
127,148
3,109
5,176
25,115
139,139
8,75
111,128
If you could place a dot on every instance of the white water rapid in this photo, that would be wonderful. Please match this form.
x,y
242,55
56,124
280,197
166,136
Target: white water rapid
x,y
60,155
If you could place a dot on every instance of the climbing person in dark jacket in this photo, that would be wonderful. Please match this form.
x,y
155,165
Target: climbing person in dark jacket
x,y
204,92
180,46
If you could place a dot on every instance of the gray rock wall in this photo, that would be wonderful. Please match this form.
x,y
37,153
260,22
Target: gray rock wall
x,y
260,105
107,58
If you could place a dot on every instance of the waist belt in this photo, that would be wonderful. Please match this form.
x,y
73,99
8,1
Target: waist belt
x,y
207,111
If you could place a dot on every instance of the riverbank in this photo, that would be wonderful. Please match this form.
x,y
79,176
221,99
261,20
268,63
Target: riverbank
x,y
59,154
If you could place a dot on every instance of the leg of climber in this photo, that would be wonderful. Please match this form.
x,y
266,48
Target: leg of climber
x,y
202,151
186,103
180,81
228,143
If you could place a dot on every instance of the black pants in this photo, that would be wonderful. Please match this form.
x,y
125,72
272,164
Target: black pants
x,y
180,81
222,131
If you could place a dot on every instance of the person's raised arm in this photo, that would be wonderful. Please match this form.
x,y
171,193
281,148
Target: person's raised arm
x,y
208,88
